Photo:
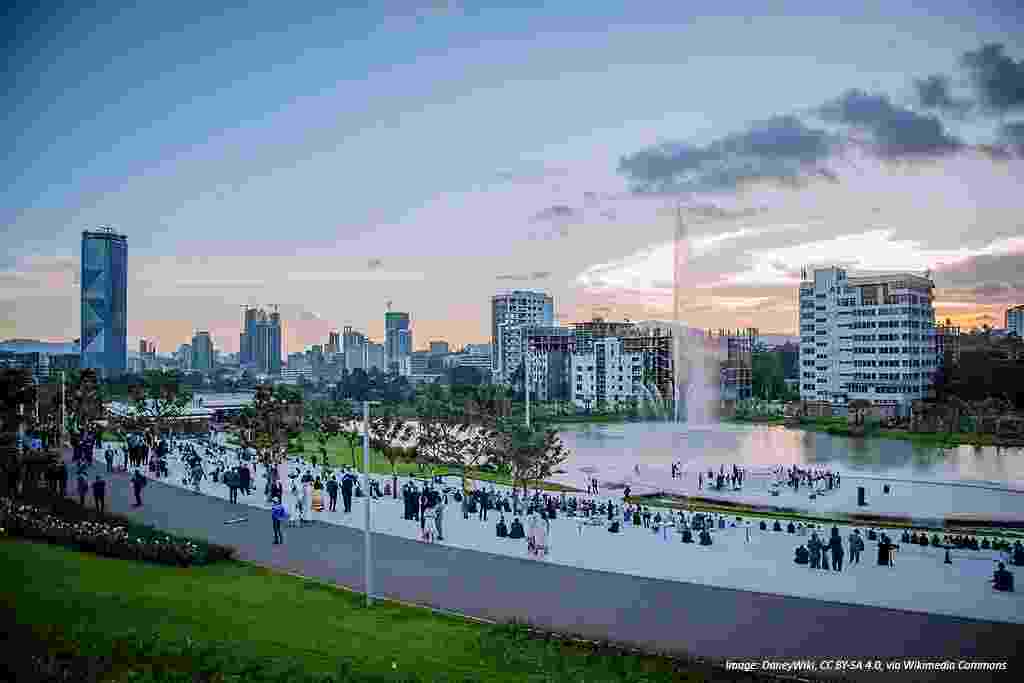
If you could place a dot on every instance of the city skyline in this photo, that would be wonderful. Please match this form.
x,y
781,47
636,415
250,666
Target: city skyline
x,y
224,168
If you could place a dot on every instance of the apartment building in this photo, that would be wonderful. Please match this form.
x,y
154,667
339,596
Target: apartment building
x,y
604,373
511,310
870,337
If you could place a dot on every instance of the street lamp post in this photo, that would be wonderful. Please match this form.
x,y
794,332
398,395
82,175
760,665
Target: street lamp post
x,y
526,383
366,492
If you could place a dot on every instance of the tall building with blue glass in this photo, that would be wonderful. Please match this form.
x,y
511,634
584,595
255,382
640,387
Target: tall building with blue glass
x,y
104,288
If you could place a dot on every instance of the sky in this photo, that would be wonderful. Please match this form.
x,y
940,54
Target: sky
x,y
431,154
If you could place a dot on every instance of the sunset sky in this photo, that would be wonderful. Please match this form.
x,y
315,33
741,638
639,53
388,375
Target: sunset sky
x,y
433,153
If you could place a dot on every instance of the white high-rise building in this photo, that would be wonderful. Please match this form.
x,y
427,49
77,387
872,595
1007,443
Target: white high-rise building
x,y
509,310
606,373
868,337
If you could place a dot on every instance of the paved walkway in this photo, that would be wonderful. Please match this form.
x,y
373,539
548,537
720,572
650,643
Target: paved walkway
x,y
706,621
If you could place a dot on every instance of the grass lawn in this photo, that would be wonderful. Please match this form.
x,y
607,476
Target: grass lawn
x,y
243,620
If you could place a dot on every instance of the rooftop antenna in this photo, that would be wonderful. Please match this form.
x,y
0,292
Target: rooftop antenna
x,y
389,305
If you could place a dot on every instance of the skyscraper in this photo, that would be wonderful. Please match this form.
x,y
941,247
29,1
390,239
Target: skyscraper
x,y
397,339
334,342
104,304
247,339
202,352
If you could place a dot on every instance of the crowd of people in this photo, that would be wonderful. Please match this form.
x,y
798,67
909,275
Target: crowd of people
x,y
520,516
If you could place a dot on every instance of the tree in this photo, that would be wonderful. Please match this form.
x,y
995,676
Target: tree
x,y
268,425
528,453
156,401
16,394
768,377
325,424
85,405
350,428
391,434
440,429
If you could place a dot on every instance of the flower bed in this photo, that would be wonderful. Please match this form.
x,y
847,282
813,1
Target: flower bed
x,y
74,527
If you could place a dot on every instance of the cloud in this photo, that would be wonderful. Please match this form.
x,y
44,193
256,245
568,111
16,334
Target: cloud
x,y
781,147
374,263
895,132
934,93
365,276
524,277
1012,135
609,214
530,173
218,284
996,77
558,212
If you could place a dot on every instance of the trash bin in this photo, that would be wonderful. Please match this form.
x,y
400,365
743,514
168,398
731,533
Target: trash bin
x,y
860,496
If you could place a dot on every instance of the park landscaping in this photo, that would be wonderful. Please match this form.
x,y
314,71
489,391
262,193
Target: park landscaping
x,y
63,522
96,618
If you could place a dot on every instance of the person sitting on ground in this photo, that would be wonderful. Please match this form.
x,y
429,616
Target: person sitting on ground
x,y
517,530
501,528
1018,554
910,538
1002,579
802,555
705,537
764,526
872,535
791,528
776,526
614,527
687,535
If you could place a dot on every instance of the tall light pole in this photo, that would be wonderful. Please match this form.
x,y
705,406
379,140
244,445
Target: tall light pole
x,y
679,260
366,494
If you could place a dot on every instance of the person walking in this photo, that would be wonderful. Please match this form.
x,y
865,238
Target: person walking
x,y
231,479
109,456
99,491
438,519
277,515
138,482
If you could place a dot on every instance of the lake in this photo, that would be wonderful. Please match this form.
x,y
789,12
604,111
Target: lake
x,y
615,448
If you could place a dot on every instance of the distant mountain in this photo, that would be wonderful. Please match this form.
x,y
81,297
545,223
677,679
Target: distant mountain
x,y
36,346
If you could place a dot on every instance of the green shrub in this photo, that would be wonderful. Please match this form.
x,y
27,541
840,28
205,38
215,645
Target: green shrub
x,y
68,524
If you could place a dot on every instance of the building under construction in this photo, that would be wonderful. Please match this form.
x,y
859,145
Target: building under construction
x,y
655,345
737,366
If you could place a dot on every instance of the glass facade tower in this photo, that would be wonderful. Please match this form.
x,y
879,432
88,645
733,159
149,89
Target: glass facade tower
x,y
104,292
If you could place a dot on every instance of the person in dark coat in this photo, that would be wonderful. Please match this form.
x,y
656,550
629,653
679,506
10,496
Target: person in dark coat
x,y
244,479
83,489
348,482
1002,579
885,548
802,555
138,482
62,478
501,529
109,454
99,492
835,544
814,548
517,530
332,494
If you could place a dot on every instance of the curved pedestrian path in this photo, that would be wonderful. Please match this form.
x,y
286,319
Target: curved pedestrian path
x,y
705,621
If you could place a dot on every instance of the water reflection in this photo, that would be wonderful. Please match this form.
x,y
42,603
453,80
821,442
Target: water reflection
x,y
763,447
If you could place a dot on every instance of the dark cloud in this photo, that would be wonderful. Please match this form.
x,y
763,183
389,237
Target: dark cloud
x,y
896,132
1012,135
591,199
934,93
996,77
558,212
710,213
540,275
984,268
782,147
609,214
